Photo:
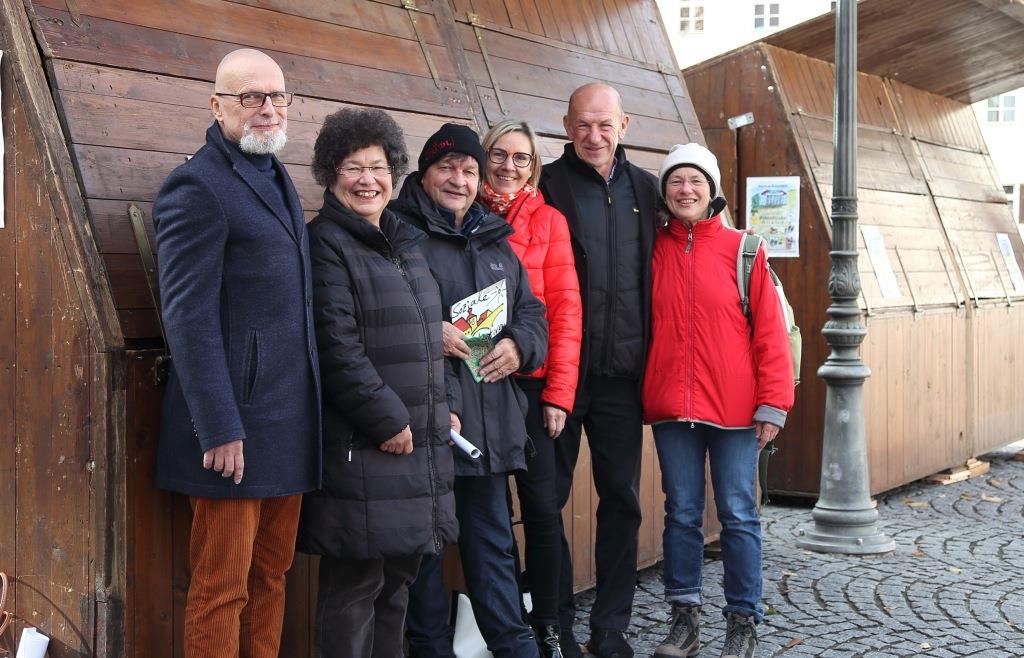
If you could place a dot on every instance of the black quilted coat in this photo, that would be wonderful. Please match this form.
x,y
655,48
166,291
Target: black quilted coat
x,y
378,323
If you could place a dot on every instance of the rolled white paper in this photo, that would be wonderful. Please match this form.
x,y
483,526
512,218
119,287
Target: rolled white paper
x,y
465,446
33,644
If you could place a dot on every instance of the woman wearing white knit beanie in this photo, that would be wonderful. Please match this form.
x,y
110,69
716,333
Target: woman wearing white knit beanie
x,y
717,385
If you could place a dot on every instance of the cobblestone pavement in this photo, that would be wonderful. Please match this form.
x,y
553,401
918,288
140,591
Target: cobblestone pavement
x,y
954,586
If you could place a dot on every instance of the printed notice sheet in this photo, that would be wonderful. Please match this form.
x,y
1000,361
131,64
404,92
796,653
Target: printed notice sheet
x,y
480,317
1012,267
773,211
880,263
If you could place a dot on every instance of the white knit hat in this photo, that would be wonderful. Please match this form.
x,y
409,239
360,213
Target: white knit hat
x,y
691,155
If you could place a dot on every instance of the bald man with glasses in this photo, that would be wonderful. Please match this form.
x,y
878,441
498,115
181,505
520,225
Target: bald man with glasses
x,y
240,427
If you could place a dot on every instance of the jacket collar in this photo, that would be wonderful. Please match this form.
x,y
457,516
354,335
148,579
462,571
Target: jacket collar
x,y
258,182
705,228
438,222
577,163
393,235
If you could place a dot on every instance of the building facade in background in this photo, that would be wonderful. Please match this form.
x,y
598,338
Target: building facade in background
x,y
1003,127
701,29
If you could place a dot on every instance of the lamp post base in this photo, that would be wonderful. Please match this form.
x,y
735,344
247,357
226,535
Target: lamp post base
x,y
851,532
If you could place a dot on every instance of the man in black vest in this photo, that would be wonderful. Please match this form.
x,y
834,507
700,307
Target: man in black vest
x,y
610,205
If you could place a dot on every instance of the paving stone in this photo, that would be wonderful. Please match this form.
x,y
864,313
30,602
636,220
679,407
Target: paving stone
x,y
955,583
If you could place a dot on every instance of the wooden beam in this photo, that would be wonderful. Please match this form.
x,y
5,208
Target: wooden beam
x,y
86,266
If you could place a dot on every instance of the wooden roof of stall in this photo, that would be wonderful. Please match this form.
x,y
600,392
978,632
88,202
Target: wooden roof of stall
x,y
967,50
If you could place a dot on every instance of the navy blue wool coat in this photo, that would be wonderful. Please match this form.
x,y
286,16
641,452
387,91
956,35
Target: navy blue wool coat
x,y
237,309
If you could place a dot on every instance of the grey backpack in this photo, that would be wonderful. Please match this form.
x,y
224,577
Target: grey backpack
x,y
744,266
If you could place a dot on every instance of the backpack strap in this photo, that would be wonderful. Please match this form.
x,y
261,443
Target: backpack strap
x,y
745,256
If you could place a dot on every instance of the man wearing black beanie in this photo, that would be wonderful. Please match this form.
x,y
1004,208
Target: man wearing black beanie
x,y
467,251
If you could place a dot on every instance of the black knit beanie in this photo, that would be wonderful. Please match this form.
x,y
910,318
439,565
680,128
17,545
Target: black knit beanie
x,y
451,138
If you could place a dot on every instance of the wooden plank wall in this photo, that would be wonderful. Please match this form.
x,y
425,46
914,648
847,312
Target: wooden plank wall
x,y
132,80
46,493
124,73
926,181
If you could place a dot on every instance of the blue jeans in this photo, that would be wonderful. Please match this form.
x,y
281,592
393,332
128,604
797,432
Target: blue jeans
x,y
733,457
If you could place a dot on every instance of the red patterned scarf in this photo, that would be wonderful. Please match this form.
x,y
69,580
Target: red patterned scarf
x,y
500,203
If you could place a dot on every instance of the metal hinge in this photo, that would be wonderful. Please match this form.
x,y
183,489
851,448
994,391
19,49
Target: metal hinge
x,y
474,20
412,9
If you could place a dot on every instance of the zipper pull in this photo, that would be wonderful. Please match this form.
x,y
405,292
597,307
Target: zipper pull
x,y
689,240
692,426
350,454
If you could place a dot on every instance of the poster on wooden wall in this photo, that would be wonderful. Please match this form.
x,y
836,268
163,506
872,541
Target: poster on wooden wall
x,y
2,206
1011,262
773,212
880,263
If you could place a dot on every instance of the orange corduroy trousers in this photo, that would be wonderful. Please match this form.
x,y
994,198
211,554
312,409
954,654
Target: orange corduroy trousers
x,y
238,552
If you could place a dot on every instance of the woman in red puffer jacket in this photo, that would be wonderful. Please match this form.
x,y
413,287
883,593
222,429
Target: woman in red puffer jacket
x,y
716,385
541,241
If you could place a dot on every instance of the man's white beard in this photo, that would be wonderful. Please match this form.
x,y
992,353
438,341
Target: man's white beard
x,y
260,144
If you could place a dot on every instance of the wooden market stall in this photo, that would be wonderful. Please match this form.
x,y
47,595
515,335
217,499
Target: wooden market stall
x,y
944,305
100,101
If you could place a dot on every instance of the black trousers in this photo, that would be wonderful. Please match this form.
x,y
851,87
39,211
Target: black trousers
x,y
541,512
360,606
609,409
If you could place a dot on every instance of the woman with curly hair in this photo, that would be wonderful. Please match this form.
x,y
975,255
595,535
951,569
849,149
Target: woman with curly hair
x,y
386,498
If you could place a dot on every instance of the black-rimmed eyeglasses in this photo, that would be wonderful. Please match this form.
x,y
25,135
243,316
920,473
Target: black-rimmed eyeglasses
x,y
519,159
258,98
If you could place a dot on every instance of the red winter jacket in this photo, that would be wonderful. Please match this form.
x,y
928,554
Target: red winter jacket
x,y
705,365
541,241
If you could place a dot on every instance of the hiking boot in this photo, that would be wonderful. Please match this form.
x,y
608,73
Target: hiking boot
x,y
608,644
549,640
684,636
740,637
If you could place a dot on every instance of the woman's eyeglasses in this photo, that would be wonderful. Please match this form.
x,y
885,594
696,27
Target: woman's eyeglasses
x,y
355,171
519,159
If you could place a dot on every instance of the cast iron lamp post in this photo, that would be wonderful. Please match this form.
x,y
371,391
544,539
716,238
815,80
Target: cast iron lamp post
x,y
845,519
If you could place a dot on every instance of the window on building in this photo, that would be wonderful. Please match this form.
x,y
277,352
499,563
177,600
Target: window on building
x,y
1002,109
766,15
691,16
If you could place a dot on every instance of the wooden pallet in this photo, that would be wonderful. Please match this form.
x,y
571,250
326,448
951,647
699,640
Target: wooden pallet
x,y
973,468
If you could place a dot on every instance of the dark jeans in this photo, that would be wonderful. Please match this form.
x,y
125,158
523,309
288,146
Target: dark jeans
x,y
489,565
608,408
360,606
541,513
430,634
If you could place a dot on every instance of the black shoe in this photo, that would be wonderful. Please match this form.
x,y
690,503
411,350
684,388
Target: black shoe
x,y
684,636
569,646
549,640
609,644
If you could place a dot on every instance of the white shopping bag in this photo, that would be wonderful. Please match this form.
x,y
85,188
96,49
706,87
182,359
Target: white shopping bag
x,y
468,642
